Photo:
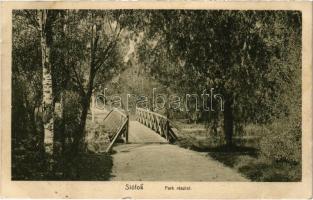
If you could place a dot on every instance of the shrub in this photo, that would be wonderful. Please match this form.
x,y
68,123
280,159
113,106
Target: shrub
x,y
72,111
283,142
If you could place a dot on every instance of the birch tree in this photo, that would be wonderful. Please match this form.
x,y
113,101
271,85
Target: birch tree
x,y
45,27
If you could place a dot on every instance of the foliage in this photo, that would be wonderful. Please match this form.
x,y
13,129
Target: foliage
x,y
283,142
249,57
75,34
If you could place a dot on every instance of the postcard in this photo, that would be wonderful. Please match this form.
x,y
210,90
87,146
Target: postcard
x,y
185,100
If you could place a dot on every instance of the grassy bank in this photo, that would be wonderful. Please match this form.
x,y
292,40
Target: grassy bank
x,y
245,156
29,165
28,161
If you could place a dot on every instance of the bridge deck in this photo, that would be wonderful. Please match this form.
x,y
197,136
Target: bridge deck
x,y
138,133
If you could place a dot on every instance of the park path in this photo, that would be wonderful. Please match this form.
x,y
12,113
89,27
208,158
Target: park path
x,y
148,157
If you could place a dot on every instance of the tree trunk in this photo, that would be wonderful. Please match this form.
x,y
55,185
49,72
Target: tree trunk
x,y
62,126
79,138
47,99
65,81
228,121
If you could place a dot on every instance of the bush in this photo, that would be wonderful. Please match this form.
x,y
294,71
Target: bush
x,y
72,110
283,141
259,170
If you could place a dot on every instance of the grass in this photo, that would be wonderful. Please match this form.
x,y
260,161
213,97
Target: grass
x,y
272,171
28,163
92,167
244,156
183,124
84,167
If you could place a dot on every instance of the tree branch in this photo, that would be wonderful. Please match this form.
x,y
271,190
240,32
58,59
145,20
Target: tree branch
x,y
76,79
107,51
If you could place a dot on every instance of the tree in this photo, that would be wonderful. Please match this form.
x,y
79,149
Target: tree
x,y
231,51
26,84
60,57
93,39
45,24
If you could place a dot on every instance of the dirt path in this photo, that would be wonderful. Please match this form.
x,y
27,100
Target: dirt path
x,y
150,158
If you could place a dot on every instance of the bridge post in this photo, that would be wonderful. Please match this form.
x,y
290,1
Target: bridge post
x,y
167,129
127,129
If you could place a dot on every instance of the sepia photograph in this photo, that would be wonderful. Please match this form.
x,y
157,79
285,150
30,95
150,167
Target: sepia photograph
x,y
146,100
156,95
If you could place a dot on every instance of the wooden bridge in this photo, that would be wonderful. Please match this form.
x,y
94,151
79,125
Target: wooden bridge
x,y
147,153
149,127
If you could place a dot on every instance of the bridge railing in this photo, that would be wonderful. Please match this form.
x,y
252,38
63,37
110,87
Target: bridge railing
x,y
117,126
156,122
